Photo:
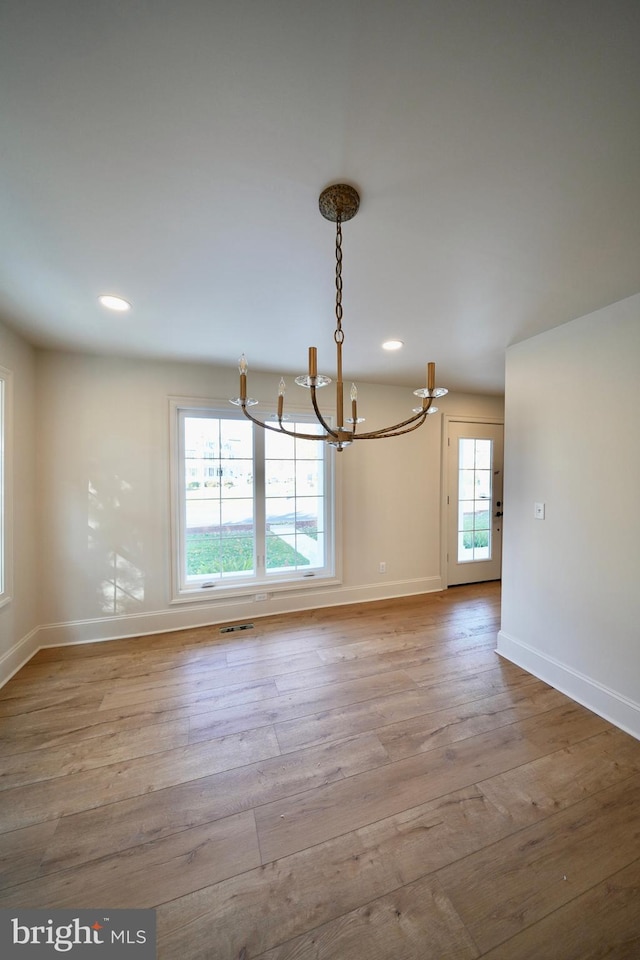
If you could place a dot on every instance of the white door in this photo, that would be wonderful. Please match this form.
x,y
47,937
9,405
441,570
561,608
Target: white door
x,y
474,501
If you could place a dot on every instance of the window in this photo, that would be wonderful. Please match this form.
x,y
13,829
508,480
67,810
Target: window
x,y
475,493
252,508
5,512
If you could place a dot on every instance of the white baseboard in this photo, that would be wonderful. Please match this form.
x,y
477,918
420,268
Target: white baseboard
x,y
202,615
18,655
607,703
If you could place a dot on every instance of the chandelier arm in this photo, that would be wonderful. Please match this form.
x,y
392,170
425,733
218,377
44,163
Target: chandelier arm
x,y
388,431
316,409
280,428
299,436
391,432
259,423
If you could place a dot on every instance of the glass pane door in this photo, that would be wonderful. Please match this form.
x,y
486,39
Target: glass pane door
x,y
474,501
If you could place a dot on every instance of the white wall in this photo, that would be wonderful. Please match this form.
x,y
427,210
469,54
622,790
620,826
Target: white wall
x,y
571,582
104,490
20,617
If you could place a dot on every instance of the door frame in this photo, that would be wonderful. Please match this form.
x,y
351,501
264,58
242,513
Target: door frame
x,y
447,419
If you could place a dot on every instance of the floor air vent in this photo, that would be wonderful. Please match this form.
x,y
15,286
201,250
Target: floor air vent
x,y
236,626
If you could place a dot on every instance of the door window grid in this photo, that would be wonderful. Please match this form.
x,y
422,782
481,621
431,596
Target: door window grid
x,y
475,476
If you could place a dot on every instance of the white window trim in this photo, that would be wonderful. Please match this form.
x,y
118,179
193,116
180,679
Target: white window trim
x,y
286,583
6,486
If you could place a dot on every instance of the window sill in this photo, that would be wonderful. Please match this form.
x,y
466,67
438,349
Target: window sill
x,y
251,591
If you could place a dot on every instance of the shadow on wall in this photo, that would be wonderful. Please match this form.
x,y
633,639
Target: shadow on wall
x,y
115,546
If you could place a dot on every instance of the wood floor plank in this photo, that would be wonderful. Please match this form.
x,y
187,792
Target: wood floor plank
x,y
426,732
436,641
417,666
150,873
265,643
112,827
538,789
501,890
177,682
333,673
298,704
21,706
562,726
601,924
56,729
375,713
59,761
503,678
24,805
449,668
201,697
415,922
409,722
131,665
43,725
21,852
286,826
330,879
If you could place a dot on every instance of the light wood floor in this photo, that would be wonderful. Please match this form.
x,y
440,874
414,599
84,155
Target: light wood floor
x,y
365,783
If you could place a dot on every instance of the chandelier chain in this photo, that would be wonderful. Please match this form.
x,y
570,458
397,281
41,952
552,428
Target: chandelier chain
x,y
338,335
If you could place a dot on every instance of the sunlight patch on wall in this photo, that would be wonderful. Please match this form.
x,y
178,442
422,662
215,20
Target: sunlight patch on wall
x,y
115,546
124,589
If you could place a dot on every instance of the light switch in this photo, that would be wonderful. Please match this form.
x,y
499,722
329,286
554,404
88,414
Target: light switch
x,y
538,511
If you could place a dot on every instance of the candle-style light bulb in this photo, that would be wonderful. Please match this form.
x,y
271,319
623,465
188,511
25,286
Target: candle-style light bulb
x,y
281,389
354,405
431,376
243,366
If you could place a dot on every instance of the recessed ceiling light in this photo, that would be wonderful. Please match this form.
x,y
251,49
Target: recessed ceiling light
x,y
114,303
392,345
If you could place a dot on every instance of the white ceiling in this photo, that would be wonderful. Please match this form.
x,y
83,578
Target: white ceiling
x,y
173,153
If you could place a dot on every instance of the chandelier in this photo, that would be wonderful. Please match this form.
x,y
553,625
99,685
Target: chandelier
x,y
338,203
